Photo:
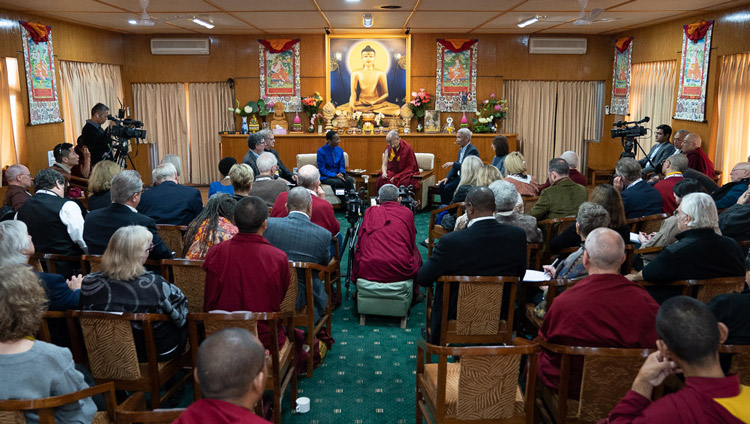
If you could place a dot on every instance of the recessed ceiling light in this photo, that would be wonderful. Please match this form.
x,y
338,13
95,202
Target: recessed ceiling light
x,y
390,6
203,23
352,1
528,22
133,22
367,20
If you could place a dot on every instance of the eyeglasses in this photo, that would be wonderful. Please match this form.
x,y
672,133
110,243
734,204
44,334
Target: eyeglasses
x,y
150,247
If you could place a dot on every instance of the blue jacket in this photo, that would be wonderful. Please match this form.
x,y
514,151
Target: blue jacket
x,y
60,297
728,194
330,161
171,203
642,200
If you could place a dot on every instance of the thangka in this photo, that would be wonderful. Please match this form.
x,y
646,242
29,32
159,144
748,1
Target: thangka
x,y
456,77
696,53
40,73
279,73
621,76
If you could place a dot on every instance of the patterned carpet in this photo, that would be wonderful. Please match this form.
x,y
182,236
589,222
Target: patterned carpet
x,y
369,374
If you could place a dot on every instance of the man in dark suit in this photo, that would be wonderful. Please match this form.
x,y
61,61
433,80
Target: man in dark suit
x,y
469,252
302,241
269,143
93,135
638,197
257,144
448,184
102,223
168,202
659,151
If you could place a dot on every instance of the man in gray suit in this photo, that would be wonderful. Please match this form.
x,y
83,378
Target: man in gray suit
x,y
257,144
302,241
659,151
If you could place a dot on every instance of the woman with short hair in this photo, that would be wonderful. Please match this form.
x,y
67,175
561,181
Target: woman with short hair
x,y
100,182
515,173
242,177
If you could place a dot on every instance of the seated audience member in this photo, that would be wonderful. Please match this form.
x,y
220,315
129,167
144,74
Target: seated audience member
x,y
265,186
84,167
213,225
672,168
308,178
728,194
399,163
590,313
15,249
124,285
449,184
677,140
515,173
231,370
100,184
735,221
609,198
101,224
19,182
506,202
302,241
225,185
176,162
256,145
65,159
638,197
32,369
281,171
699,252
572,159
661,150
469,174
590,216
697,158
563,197
465,253
732,308
242,177
332,165
484,176
246,273
501,149
55,223
688,342
388,224
168,202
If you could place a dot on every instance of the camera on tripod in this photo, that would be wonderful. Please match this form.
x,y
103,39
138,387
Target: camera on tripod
x,y
121,132
628,131
406,195
354,206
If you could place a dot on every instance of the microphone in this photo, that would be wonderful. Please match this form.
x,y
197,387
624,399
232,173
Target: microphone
x,y
111,118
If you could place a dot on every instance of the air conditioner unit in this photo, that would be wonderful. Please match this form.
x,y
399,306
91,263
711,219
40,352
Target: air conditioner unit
x,y
176,46
557,45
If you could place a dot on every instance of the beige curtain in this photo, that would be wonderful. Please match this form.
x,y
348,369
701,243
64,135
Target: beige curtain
x,y
12,131
733,132
531,114
83,85
652,94
577,103
163,110
207,106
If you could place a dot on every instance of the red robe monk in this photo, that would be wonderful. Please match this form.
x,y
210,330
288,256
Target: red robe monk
x,y
387,250
218,412
698,160
399,164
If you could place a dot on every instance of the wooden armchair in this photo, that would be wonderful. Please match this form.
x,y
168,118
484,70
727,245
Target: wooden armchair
x,y
551,229
190,277
740,361
647,224
281,360
11,411
335,266
93,263
529,323
607,375
482,388
67,333
51,262
435,231
305,317
479,315
133,410
112,355
703,290
172,236
35,262
528,203
534,256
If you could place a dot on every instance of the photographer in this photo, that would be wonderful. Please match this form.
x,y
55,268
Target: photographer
x,y
93,135
387,250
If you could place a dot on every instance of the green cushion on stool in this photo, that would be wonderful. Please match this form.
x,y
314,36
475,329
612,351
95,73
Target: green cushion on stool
x,y
391,299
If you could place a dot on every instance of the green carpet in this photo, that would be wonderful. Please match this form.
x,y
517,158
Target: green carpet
x,y
369,374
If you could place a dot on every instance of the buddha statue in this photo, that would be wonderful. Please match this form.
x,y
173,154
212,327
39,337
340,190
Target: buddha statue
x,y
369,88
279,119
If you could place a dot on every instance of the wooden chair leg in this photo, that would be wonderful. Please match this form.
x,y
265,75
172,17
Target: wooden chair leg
x,y
362,319
403,322
277,407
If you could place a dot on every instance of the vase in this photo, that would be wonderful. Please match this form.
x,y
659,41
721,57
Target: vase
x,y
320,128
420,124
311,128
244,125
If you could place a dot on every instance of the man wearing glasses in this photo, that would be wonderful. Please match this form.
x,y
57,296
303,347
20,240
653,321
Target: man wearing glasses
x,y
257,145
19,181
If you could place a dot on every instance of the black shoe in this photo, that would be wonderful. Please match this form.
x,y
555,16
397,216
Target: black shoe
x,y
424,243
423,332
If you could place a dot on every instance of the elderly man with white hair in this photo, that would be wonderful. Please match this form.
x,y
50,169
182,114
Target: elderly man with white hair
x,y
507,211
449,184
573,161
699,252
266,186
168,202
399,163
730,192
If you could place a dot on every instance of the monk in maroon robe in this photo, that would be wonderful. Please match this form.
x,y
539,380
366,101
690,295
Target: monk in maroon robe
x,y
387,250
697,158
399,163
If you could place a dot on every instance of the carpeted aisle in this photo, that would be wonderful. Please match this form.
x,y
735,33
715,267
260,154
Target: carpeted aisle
x,y
369,374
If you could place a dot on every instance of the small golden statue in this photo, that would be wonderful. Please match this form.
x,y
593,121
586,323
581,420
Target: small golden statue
x,y
279,119
406,115
253,125
329,111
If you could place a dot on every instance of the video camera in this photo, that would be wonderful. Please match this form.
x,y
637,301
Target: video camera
x,y
354,205
406,194
628,134
121,132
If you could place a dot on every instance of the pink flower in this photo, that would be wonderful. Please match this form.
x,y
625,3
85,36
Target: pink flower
x,y
492,95
498,107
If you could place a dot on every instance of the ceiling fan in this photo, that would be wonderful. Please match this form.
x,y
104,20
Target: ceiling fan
x,y
144,20
590,17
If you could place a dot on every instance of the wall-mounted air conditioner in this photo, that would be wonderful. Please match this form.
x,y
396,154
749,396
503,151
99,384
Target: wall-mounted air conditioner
x,y
557,45
176,46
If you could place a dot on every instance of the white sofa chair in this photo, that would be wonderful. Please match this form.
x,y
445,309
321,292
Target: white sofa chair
x,y
312,159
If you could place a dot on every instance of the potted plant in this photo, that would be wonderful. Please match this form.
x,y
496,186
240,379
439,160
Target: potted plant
x,y
418,105
311,106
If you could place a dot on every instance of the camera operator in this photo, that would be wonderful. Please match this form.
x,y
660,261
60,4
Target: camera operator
x,y
93,135
387,250
659,151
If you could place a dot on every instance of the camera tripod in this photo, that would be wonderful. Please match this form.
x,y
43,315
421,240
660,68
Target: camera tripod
x,y
350,244
120,154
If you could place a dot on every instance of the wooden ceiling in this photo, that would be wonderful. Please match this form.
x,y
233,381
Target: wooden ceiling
x,y
345,16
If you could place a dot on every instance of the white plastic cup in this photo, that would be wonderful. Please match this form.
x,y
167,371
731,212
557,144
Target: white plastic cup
x,y
303,405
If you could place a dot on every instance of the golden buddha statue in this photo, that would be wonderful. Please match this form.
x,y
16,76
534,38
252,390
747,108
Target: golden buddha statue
x,y
372,86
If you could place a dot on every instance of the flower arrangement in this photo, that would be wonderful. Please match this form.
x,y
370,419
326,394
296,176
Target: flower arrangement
x,y
262,107
265,106
379,119
490,110
244,111
311,106
421,100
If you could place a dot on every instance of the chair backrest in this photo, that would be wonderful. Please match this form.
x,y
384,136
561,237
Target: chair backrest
x,y
133,410
312,159
50,261
110,345
190,277
740,361
35,261
93,263
435,231
172,236
647,224
528,203
705,290
425,161
289,304
554,227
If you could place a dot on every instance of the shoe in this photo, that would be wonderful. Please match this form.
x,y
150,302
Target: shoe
x,y
424,243
418,299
